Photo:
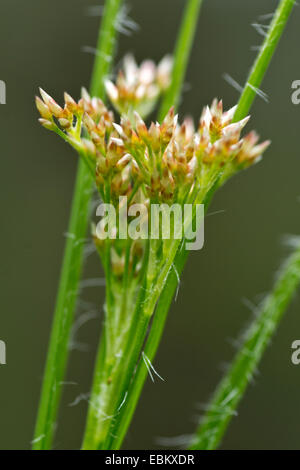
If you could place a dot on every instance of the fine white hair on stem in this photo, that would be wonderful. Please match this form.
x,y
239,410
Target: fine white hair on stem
x,y
232,82
80,347
150,368
250,305
83,319
219,409
259,92
72,236
79,399
261,29
220,211
290,240
267,16
124,24
96,52
37,439
123,401
89,249
180,441
80,321
94,10
68,383
178,280
93,282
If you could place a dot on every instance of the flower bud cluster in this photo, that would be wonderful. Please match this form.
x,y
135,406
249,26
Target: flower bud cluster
x,y
137,88
164,162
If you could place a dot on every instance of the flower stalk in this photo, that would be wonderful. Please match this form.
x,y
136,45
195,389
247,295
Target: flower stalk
x,y
256,339
264,57
181,55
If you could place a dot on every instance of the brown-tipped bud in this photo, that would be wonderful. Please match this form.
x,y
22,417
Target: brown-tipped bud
x,y
119,130
89,146
102,166
140,125
96,138
126,126
147,72
89,122
228,116
111,90
217,109
124,161
117,263
164,72
154,133
169,119
115,150
99,179
81,103
234,129
192,165
205,118
43,108
45,97
257,151
47,124
136,171
55,109
71,104
99,106
85,95
65,123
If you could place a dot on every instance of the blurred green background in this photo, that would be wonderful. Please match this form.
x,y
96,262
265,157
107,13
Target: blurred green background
x,y
43,44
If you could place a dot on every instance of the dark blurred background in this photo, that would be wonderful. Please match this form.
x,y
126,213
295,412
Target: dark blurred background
x,y
43,44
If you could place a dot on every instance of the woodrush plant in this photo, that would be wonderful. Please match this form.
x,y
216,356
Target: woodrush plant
x,y
166,162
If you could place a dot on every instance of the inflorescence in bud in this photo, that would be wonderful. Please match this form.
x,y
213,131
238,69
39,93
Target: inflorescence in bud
x,y
165,162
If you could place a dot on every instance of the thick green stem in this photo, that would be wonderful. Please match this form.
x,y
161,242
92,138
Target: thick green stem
x,y
72,262
111,389
150,349
264,57
181,56
232,387
98,432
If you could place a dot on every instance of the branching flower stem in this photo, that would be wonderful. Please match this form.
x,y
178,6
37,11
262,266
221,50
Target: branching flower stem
x,y
231,389
72,262
248,95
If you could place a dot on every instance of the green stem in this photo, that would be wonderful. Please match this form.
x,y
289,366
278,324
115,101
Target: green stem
x,y
181,56
153,341
96,434
232,387
72,262
246,100
150,349
264,57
